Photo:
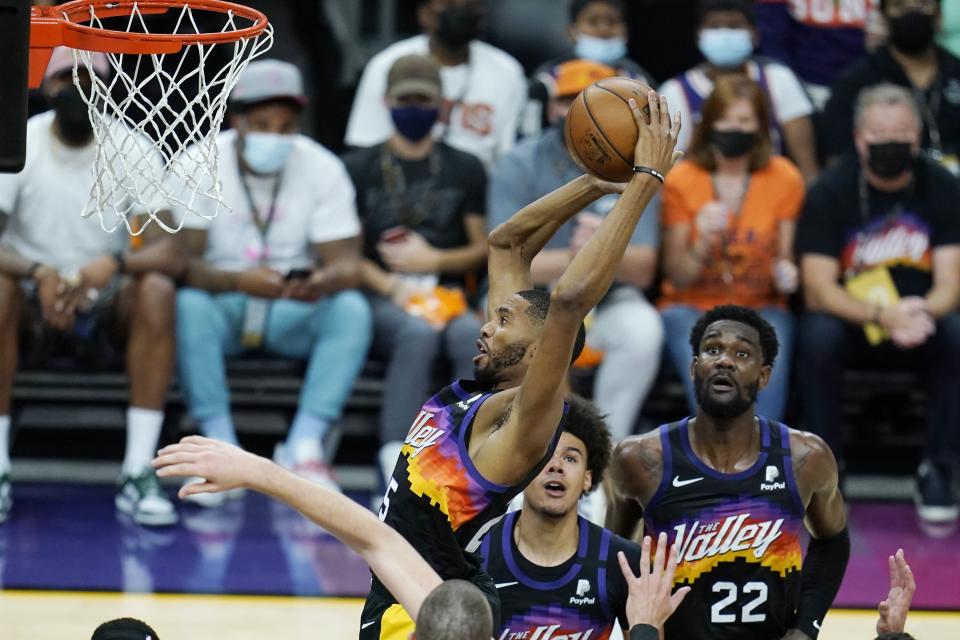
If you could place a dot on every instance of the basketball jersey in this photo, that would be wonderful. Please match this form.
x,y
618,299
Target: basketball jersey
x,y
580,599
737,535
437,498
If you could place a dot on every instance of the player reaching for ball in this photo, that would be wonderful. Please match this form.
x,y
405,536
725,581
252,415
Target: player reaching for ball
x,y
477,444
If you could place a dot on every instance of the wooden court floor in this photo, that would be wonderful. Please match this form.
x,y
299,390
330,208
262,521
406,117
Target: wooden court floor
x,y
56,615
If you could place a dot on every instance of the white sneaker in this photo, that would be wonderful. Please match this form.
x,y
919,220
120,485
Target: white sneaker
x,y
142,498
314,469
212,500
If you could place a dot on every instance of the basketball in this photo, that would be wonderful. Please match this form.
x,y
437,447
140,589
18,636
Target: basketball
x,y
600,132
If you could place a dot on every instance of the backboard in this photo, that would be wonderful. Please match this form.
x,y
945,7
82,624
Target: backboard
x,y
14,59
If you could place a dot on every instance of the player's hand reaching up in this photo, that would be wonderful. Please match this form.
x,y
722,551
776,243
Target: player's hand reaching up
x,y
657,140
648,595
221,465
893,610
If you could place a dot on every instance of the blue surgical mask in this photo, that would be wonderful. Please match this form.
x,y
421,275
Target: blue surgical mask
x,y
414,123
603,50
726,47
267,152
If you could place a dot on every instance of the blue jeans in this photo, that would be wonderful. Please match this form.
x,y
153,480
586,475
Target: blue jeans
x,y
333,333
771,402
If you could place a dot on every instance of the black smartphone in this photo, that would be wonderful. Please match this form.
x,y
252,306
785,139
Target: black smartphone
x,y
298,274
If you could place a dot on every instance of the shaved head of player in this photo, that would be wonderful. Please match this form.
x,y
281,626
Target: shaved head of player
x,y
734,491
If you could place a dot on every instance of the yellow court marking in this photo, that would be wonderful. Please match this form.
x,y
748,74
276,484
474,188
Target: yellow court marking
x,y
68,615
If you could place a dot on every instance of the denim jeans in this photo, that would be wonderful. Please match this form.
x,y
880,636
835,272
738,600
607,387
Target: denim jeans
x,y
333,334
679,320
828,344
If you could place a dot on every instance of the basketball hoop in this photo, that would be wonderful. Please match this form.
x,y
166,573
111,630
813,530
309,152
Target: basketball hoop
x,y
156,119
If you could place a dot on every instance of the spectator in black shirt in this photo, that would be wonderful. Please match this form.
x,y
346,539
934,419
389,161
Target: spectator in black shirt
x,y
422,206
910,59
879,240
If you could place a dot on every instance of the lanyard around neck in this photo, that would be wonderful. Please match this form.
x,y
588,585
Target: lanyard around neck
x,y
261,222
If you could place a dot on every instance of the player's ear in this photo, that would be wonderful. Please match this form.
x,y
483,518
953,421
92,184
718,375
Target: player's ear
x,y
587,481
765,372
693,367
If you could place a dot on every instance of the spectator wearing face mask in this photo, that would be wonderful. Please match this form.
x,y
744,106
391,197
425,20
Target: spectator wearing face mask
x,y
598,31
816,40
910,59
727,37
484,89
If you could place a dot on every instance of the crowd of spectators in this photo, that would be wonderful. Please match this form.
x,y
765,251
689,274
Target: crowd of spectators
x,y
819,187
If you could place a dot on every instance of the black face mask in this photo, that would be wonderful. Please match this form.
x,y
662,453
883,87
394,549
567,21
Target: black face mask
x,y
457,26
72,118
890,159
733,144
912,33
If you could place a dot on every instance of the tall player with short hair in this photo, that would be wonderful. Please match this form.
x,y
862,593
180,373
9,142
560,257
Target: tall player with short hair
x,y
733,491
476,444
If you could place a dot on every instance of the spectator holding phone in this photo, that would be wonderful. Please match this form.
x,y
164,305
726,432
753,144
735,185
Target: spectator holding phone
x,y
424,239
274,273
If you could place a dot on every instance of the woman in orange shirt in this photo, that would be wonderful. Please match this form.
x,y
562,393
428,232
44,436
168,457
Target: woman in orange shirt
x,y
729,216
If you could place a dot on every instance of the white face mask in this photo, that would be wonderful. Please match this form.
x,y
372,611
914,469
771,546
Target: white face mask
x,y
267,152
603,50
726,48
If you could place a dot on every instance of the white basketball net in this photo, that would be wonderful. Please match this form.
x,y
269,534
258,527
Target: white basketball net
x,y
157,153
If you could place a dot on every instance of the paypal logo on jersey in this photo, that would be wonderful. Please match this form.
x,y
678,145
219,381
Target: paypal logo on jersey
x,y
770,485
583,588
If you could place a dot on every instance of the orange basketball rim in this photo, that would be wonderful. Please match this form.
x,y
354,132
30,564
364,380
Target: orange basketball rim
x,y
65,25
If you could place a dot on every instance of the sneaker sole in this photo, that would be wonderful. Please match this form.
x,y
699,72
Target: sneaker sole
x,y
148,519
935,514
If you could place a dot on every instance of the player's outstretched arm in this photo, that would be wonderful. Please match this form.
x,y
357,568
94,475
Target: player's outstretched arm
x,y
538,404
816,474
397,564
513,244
649,598
894,609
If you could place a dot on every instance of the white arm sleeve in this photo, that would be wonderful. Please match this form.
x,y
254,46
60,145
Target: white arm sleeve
x,y
369,122
790,101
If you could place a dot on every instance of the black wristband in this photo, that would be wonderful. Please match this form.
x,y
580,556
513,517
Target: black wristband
x,y
820,578
121,262
643,632
653,172
32,270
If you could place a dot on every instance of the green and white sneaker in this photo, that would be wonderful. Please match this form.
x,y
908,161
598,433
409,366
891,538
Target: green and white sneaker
x,y
143,499
6,496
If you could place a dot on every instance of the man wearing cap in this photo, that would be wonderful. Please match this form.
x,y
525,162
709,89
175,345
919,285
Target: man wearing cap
x,y
422,205
82,289
274,273
484,89
625,327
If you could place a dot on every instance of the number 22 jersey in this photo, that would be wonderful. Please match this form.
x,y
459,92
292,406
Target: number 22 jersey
x,y
737,535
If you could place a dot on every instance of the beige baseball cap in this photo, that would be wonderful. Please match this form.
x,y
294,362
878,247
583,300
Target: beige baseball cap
x,y
414,74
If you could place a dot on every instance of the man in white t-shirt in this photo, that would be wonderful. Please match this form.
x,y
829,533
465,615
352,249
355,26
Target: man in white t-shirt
x,y
81,286
727,37
275,272
484,88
